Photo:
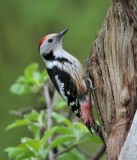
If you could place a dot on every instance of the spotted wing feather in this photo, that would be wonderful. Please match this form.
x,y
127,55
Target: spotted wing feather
x,y
63,83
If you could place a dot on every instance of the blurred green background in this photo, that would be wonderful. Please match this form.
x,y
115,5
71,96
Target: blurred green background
x,y
23,24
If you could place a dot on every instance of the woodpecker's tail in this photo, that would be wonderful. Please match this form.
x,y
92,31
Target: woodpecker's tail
x,y
96,129
88,118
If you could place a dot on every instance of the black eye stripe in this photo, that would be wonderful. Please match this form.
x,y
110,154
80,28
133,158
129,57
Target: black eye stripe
x,y
50,40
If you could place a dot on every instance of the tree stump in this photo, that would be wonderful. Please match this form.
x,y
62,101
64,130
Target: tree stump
x,y
113,70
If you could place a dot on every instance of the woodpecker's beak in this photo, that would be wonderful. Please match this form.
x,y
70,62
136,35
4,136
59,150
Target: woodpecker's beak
x,y
61,34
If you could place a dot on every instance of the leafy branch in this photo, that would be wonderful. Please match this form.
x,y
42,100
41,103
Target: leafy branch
x,y
54,135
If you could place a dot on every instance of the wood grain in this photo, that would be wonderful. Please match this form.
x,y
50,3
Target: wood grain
x,y
113,70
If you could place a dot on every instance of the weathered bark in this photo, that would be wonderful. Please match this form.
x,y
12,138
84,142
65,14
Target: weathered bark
x,y
113,70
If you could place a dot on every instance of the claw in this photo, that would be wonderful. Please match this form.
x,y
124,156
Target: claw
x,y
90,83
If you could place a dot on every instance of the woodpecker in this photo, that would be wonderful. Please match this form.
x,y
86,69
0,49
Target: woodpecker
x,y
69,78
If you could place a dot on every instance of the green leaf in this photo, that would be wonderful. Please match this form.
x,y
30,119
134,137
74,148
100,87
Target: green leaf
x,y
58,129
30,70
18,123
14,151
18,89
62,129
47,135
44,76
37,76
62,139
25,139
21,79
35,129
61,104
78,129
72,155
33,116
75,155
20,152
25,155
43,153
60,119
31,82
33,144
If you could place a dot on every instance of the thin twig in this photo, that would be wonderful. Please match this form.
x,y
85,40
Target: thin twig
x,y
86,154
49,107
66,150
50,102
22,111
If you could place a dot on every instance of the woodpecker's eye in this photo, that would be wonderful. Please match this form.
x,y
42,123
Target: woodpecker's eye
x,y
50,40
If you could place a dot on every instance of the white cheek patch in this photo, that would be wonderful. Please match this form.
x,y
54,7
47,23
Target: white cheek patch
x,y
61,88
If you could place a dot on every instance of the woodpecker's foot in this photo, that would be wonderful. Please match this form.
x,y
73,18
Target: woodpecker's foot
x,y
90,83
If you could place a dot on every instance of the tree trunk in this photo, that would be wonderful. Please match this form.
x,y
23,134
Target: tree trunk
x,y
113,70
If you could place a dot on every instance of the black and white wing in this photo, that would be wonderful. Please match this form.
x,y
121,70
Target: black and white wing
x,y
64,84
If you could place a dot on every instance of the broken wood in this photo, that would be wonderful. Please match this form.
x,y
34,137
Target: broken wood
x,y
113,70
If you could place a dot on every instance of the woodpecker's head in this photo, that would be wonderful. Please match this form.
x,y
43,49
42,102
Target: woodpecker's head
x,y
51,42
